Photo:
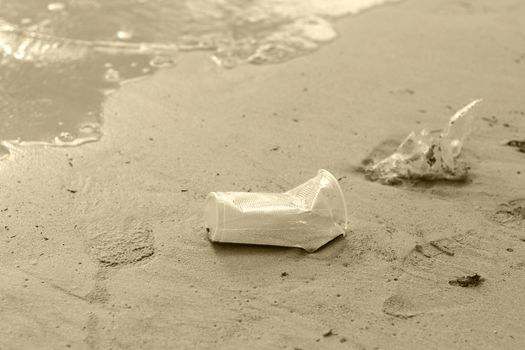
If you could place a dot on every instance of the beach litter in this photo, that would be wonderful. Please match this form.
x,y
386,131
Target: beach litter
x,y
520,145
428,155
307,216
467,281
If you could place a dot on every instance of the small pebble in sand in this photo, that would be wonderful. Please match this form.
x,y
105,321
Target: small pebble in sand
x,y
510,250
328,333
284,274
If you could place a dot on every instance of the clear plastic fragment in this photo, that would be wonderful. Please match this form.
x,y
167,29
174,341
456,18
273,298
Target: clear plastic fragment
x,y
428,155
308,216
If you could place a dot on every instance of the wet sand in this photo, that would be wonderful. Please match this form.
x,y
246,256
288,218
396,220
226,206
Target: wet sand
x,y
104,245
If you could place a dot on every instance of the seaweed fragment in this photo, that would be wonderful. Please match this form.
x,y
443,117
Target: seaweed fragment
x,y
467,281
428,155
442,248
520,145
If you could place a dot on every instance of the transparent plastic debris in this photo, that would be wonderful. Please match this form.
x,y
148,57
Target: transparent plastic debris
x,y
428,155
308,216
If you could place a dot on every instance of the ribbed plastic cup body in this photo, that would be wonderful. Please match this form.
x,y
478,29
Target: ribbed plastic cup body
x,y
307,216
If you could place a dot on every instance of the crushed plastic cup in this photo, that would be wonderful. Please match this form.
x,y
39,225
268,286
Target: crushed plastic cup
x,y
307,216
428,155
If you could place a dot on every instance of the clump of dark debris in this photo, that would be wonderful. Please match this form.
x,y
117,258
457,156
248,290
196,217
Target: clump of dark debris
x,y
328,333
467,281
520,145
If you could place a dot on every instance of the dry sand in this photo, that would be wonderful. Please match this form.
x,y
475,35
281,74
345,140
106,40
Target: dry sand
x,y
103,246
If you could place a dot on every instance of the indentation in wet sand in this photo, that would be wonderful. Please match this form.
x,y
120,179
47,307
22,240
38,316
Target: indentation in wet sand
x,y
98,294
92,334
113,249
511,214
399,306
423,285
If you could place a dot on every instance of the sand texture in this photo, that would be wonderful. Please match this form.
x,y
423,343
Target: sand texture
x,y
103,246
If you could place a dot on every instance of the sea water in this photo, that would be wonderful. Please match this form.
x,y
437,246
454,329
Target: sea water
x,y
59,60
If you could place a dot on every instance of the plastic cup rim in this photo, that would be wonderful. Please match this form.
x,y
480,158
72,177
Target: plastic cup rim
x,y
215,226
341,193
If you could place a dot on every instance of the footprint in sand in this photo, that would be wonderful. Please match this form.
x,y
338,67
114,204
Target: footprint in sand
x,y
113,233
112,249
400,306
511,214
92,324
99,294
423,282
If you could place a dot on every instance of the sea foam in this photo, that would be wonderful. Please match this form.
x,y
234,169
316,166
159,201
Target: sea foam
x,y
59,60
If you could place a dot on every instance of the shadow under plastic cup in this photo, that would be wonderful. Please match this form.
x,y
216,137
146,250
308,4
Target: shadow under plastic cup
x,y
308,216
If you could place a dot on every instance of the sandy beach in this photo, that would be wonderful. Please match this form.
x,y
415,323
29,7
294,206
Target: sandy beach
x,y
104,245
